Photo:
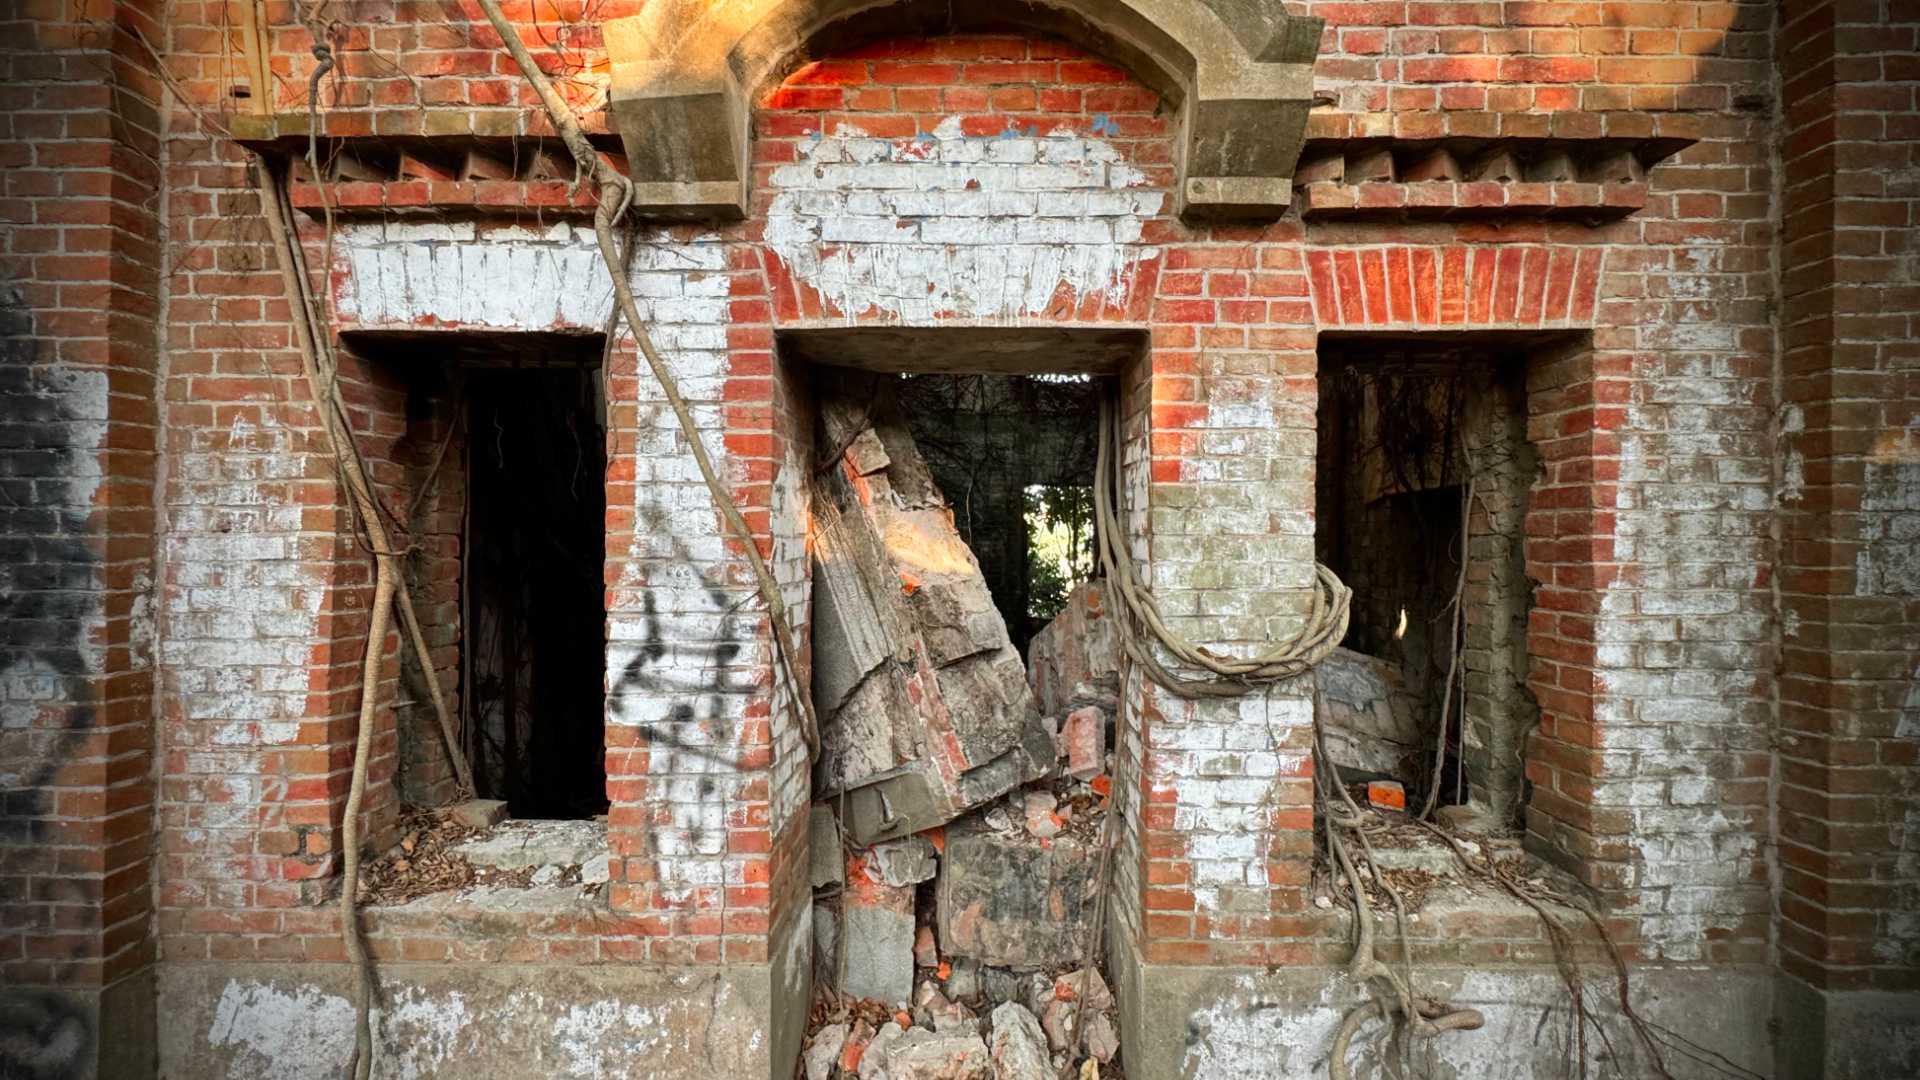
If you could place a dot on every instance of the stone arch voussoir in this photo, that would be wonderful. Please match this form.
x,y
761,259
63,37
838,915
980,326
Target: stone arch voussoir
x,y
687,72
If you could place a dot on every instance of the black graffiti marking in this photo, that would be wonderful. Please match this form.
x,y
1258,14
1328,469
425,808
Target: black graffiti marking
x,y
46,570
43,1036
703,704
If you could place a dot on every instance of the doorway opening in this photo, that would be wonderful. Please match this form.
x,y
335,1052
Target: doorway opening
x,y
965,668
1422,496
534,595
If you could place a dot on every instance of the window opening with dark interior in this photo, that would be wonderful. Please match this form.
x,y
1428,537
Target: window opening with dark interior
x,y
1421,493
534,592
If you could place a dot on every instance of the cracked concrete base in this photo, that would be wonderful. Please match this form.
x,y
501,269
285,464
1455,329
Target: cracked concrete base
x,y
1258,1024
1845,1033
245,1021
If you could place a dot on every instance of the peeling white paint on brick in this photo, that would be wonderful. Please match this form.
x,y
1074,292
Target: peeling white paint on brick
x,y
949,225
391,274
242,608
1676,638
297,1031
281,1034
1263,1029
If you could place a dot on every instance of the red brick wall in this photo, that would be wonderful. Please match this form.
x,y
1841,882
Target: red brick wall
x,y
1630,431
1850,594
1652,648
79,291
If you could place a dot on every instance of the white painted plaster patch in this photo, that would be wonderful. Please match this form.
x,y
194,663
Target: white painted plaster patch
x,y
281,1034
949,225
396,274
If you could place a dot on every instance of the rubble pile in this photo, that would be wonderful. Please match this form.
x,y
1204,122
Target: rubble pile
x,y
1012,1029
960,816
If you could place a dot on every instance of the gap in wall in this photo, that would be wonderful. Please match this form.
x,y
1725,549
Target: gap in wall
x,y
1014,455
1416,440
501,480
535,614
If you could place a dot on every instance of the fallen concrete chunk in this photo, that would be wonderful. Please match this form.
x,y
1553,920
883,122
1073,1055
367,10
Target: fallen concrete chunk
x,y
1366,713
926,1055
826,863
935,1010
1100,1039
1077,655
873,1062
1084,985
823,1051
1018,1047
1010,900
964,982
1097,1036
877,923
909,860
924,705
826,943
1040,817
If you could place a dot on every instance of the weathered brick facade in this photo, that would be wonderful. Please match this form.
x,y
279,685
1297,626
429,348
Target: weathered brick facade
x,y
1703,273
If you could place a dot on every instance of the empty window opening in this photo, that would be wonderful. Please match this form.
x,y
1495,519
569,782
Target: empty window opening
x,y
1421,497
535,595
1014,457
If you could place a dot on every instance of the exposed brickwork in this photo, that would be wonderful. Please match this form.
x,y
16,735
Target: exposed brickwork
x,y
1850,411
971,180
79,292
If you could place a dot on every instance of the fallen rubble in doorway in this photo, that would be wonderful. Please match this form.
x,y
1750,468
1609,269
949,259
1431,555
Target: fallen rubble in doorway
x,y
924,706
1010,1029
963,794
441,851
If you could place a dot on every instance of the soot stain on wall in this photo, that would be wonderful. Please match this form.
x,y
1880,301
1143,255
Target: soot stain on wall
x,y
47,598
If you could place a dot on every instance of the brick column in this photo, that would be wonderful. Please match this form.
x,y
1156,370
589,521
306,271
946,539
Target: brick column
x,y
79,287
1849,853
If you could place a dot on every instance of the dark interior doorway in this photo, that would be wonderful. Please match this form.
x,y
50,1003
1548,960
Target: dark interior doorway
x,y
534,589
1421,501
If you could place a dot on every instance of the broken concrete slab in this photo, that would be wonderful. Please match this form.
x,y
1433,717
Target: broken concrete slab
x,y
517,844
920,1054
1097,1036
873,1061
909,860
823,1051
1041,819
826,863
479,813
924,705
1076,657
1011,900
1369,719
877,920
933,1009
